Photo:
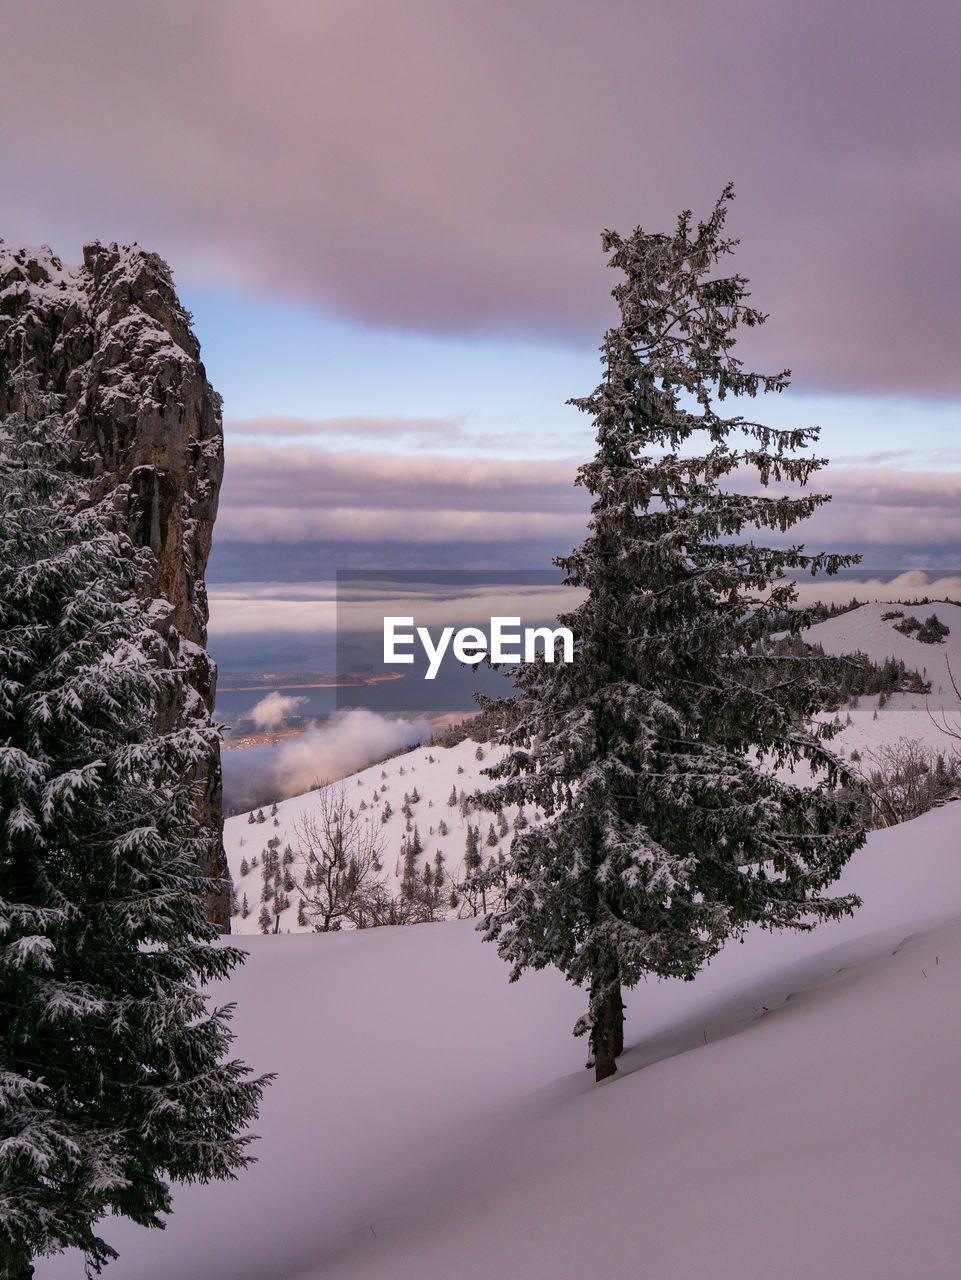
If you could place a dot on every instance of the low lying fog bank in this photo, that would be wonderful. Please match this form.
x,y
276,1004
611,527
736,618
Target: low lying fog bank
x,y
348,741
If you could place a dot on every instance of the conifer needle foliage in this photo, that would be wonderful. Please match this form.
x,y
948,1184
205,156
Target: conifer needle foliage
x,y
114,1074
662,754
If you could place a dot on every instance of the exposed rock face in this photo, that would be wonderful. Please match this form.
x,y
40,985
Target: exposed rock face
x,y
111,338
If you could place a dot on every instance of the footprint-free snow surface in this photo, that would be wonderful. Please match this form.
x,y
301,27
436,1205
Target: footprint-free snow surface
x,y
794,1112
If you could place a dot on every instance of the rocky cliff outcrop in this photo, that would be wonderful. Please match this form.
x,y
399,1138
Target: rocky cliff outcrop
x,y
111,338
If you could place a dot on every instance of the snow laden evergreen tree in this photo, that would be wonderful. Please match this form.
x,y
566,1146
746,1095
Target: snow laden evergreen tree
x,y
114,1072
654,753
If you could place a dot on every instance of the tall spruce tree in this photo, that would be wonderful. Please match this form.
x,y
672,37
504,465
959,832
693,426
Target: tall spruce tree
x,y
114,1075
654,753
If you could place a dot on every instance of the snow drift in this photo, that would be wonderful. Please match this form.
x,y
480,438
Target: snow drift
x,y
792,1112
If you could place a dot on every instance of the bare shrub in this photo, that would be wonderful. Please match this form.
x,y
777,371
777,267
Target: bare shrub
x,y
904,779
950,727
340,852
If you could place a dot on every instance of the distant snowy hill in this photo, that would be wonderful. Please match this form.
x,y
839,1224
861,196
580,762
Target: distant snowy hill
x,y
793,1112
865,629
910,716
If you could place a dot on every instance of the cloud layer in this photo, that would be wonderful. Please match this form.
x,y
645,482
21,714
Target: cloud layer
x,y
913,585
448,166
347,742
271,711
297,494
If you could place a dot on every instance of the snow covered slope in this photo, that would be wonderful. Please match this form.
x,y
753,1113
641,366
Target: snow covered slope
x,y
429,772
910,716
865,630
794,1112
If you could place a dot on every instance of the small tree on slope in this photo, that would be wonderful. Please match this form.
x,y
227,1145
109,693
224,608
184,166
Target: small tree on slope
x,y
665,835
113,1071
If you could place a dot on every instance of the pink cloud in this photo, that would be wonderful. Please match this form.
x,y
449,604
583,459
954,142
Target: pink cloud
x,y
298,492
448,166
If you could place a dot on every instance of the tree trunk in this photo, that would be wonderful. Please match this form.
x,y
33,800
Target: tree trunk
x,y
607,1033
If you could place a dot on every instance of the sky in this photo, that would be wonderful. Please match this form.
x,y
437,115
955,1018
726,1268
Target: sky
x,y
386,221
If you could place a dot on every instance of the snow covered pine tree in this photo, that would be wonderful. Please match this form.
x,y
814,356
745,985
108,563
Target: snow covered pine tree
x,y
113,1074
665,833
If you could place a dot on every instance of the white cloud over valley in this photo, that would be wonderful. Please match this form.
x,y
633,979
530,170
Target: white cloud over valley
x,y
271,711
346,742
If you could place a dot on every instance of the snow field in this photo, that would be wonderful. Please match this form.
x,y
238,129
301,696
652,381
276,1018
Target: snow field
x,y
793,1112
